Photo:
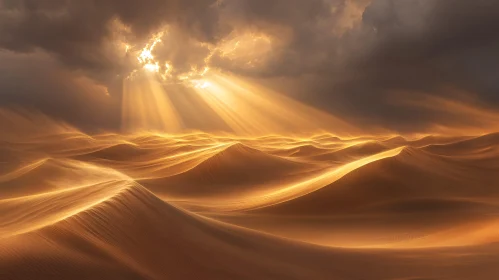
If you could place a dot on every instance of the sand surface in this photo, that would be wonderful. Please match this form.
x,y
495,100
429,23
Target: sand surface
x,y
201,206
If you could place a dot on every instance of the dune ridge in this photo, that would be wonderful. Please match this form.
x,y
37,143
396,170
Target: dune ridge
x,y
202,206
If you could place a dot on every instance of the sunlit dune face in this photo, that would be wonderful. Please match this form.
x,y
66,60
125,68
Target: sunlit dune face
x,y
222,168
326,189
62,191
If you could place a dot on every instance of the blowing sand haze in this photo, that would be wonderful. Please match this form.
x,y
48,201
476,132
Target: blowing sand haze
x,y
249,139
201,206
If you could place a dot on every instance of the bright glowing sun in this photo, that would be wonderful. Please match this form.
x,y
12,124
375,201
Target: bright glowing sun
x,y
201,84
152,67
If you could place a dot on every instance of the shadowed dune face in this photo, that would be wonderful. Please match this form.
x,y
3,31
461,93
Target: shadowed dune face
x,y
201,206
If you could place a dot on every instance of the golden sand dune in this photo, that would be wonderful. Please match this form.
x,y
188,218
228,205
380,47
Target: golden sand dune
x,y
484,148
134,235
28,213
202,206
351,152
436,140
413,191
46,175
386,180
297,151
235,165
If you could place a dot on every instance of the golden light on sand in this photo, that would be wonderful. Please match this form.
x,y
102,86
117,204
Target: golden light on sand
x,y
252,140
300,199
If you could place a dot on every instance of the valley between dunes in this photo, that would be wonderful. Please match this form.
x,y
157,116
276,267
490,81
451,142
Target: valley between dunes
x,y
204,206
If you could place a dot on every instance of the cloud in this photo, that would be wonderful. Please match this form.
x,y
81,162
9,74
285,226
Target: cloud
x,y
38,82
416,46
356,58
85,35
88,35
305,36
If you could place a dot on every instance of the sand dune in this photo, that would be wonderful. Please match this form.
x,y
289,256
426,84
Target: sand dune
x,y
379,197
299,151
201,206
484,149
351,152
235,169
107,240
27,213
436,140
386,179
46,175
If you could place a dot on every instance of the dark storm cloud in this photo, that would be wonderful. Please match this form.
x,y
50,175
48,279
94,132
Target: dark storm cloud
x,y
309,34
394,37
412,49
371,61
38,82
81,33
429,42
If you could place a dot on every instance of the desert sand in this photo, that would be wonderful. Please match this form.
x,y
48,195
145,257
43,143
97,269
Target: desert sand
x,y
208,206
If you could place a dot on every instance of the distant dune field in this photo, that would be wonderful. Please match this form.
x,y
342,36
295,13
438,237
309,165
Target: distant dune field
x,y
204,206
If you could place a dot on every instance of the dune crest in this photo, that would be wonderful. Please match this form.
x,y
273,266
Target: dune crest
x,y
202,206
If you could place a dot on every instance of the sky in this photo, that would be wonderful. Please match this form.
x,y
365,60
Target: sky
x,y
402,66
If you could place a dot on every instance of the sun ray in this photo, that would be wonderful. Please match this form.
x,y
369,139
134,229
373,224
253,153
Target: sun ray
x,y
251,109
147,106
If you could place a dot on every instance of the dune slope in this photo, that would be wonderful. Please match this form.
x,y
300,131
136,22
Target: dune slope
x,y
108,240
200,206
